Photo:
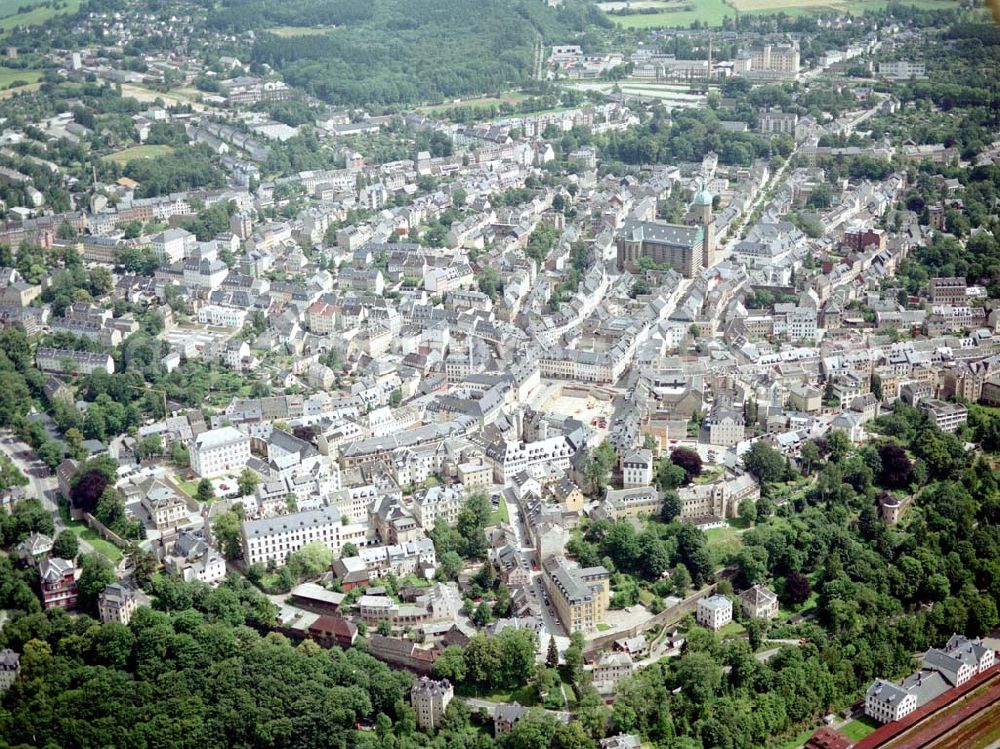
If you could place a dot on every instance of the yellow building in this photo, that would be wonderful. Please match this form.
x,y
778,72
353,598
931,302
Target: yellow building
x,y
580,595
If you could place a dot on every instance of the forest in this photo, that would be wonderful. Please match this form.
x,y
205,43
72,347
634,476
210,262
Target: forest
x,y
391,52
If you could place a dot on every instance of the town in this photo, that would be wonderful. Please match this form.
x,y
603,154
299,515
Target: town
x,y
647,396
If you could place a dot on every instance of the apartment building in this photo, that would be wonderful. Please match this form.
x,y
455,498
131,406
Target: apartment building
x,y
580,595
219,450
437,502
759,602
67,361
510,458
273,539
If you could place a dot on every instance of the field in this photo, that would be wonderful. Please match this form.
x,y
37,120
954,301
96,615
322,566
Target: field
x,y
711,12
10,18
483,101
9,75
723,543
137,152
84,533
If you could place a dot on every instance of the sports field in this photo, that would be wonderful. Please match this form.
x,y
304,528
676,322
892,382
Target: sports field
x,y
137,152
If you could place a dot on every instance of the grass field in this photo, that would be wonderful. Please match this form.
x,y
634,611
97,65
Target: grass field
x,y
709,12
722,543
858,729
485,101
10,18
137,152
500,515
9,75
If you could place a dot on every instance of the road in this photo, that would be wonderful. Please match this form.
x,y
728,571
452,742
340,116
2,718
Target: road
x,y
41,483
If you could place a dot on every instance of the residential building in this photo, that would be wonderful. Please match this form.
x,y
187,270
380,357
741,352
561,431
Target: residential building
x,y
219,451
580,595
273,539
947,416
58,580
429,699
714,612
117,603
637,468
759,602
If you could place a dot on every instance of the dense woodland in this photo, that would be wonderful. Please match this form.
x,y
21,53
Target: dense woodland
x,y
390,51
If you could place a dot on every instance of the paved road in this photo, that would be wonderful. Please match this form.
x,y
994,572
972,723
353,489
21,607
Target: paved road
x,y
41,483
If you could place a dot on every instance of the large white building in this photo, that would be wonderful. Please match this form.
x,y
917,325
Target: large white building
x,y
219,450
637,468
714,612
273,539
510,458
222,317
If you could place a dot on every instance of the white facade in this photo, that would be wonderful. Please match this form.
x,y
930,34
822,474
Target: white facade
x,y
715,612
219,450
222,317
273,539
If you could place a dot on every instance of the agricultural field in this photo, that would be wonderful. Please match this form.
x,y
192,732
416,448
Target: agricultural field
x,y
10,18
711,12
137,152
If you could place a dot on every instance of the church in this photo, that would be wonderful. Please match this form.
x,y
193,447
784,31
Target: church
x,y
685,249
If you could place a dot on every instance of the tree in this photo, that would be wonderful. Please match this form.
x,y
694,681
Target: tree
x,y
597,469
748,511
471,526
88,489
66,545
671,508
51,454
681,580
687,459
348,550
205,492
756,630
450,565
764,462
896,468
838,444
797,588
312,560
227,533
247,482
698,676
809,457
552,656
96,573
142,562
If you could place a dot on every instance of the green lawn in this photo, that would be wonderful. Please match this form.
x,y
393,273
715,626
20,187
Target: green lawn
x,y
33,16
795,743
137,152
723,543
500,514
858,729
84,532
731,630
188,487
525,695
12,75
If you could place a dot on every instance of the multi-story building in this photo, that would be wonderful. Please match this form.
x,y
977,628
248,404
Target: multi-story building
x,y
173,245
714,612
58,578
117,603
273,539
951,290
429,699
677,247
510,458
68,361
759,602
940,670
437,502
902,70
637,468
10,666
630,503
219,450
580,595
769,62
947,416
222,317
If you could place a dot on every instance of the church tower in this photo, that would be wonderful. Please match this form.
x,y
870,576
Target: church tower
x,y
702,209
